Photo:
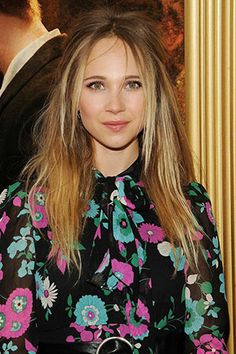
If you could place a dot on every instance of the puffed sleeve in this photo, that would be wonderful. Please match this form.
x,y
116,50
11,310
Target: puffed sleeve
x,y
18,332
206,324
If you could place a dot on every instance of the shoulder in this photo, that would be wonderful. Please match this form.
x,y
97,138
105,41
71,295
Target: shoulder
x,y
201,207
55,46
12,196
197,195
196,191
47,57
16,204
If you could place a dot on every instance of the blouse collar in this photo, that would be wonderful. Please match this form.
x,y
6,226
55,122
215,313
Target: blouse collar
x,y
133,171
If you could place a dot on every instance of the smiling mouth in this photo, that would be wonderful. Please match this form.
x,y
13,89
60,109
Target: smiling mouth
x,y
115,126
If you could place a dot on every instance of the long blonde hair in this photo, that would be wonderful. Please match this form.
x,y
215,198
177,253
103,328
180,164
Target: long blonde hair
x,y
64,160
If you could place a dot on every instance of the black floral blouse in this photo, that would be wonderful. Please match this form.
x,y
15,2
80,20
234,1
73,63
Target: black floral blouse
x,y
127,287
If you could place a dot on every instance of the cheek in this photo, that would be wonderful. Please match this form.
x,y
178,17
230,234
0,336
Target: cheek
x,y
89,106
84,106
137,104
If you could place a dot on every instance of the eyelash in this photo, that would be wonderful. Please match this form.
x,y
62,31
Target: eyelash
x,y
92,85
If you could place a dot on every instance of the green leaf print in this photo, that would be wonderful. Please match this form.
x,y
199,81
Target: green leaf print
x,y
206,287
200,307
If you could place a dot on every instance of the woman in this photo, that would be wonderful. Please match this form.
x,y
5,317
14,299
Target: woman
x,y
130,262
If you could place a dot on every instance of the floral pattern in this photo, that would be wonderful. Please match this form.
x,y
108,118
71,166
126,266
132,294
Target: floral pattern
x,y
49,294
90,311
133,283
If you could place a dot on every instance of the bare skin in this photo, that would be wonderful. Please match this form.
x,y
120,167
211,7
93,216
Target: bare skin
x,y
16,34
112,105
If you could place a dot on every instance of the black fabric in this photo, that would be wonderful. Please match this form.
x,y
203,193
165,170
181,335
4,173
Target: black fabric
x,y
113,346
128,288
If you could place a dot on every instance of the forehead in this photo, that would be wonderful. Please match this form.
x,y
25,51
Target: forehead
x,y
111,54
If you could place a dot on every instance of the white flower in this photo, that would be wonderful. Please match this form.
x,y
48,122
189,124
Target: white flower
x,y
116,308
164,248
49,294
209,301
3,196
187,293
90,315
192,278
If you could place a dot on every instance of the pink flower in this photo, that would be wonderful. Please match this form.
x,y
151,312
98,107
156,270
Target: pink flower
x,y
121,246
198,236
17,201
49,235
138,318
209,212
207,344
5,323
61,262
40,220
151,233
86,336
37,205
123,272
1,272
30,347
104,263
142,311
70,339
150,283
15,315
3,222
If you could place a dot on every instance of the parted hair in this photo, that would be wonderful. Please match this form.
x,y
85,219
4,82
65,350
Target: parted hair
x,y
24,9
65,157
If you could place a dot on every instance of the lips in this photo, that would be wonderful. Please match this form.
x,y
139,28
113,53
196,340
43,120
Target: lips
x,y
115,125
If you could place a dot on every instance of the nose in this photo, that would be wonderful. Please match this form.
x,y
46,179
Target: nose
x,y
115,102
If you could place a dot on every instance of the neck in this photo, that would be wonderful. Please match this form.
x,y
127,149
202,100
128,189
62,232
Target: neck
x,y
113,162
16,34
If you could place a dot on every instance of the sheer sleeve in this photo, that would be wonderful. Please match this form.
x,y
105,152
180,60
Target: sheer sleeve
x,y
17,288
206,324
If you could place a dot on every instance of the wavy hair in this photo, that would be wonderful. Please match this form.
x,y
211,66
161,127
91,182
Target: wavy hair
x,y
64,159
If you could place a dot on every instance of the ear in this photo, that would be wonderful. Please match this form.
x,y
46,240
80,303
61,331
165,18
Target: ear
x,y
78,115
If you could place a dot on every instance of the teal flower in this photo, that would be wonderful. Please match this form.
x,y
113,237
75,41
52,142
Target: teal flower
x,y
193,321
20,242
92,209
38,285
178,258
1,266
121,226
9,347
19,304
90,311
39,198
26,268
222,286
216,245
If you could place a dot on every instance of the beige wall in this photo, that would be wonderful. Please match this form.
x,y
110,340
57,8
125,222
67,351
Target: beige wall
x,y
210,50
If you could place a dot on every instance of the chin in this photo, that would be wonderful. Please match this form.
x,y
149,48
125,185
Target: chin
x,y
117,146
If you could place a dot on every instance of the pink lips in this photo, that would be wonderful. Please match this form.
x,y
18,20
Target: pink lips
x,y
115,125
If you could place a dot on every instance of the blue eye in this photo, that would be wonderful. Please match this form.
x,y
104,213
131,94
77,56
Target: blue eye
x,y
96,85
133,85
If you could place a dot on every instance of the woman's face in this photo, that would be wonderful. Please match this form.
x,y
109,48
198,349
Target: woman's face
x,y
112,101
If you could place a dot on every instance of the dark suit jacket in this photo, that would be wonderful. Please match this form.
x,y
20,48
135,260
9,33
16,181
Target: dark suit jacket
x,y
20,104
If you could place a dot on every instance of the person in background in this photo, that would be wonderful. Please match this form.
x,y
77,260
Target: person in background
x,y
111,247
29,56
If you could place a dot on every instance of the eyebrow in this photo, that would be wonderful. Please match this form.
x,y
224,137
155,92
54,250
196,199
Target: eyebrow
x,y
98,77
